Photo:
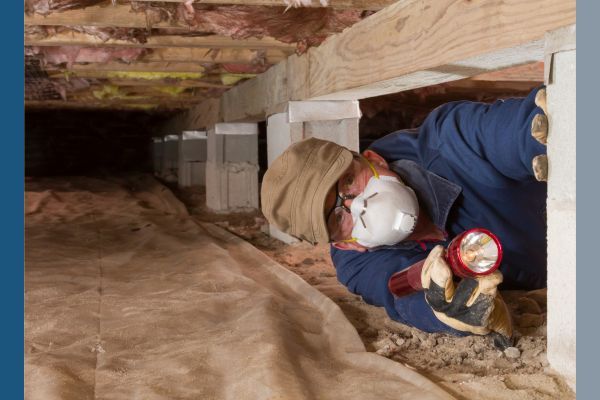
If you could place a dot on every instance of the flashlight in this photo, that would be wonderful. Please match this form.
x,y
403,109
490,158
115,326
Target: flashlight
x,y
473,253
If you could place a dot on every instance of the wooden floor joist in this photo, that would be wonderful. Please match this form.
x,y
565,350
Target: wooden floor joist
x,y
407,45
129,104
212,56
170,41
121,82
217,56
119,15
136,66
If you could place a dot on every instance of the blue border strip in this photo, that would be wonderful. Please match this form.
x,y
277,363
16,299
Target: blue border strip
x,y
11,176
588,198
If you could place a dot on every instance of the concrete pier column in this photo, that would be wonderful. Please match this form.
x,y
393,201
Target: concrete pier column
x,y
232,167
336,121
192,158
560,81
157,155
170,158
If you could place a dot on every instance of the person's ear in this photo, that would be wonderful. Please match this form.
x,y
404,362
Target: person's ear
x,y
349,246
375,159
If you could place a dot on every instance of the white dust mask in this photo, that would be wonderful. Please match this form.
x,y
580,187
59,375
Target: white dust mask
x,y
385,213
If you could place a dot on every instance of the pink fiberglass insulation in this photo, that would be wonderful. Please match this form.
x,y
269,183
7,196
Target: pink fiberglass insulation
x,y
45,7
245,68
136,35
65,86
75,54
305,26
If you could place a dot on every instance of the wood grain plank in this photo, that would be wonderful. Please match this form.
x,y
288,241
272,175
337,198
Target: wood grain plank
x,y
212,41
438,40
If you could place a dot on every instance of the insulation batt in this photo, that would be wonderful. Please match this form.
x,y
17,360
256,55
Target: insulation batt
x,y
303,3
130,34
245,68
305,26
135,35
74,54
45,7
72,85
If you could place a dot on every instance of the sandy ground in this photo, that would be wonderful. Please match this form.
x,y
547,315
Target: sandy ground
x,y
469,367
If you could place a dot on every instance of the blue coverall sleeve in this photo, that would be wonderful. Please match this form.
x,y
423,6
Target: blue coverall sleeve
x,y
499,134
367,275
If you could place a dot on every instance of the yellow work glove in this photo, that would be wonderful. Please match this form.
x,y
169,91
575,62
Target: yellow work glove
x,y
474,305
539,130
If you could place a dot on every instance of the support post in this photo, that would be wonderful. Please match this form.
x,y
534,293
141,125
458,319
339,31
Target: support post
x,y
232,167
336,121
192,158
157,155
560,81
170,158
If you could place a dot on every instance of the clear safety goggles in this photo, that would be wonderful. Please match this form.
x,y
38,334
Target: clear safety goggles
x,y
339,219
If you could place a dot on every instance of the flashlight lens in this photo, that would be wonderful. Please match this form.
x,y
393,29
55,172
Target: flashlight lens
x,y
478,251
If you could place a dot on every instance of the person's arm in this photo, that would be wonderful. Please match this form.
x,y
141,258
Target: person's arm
x,y
367,274
499,133
491,138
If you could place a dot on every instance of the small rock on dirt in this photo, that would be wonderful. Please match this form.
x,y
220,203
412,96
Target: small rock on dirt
x,y
512,352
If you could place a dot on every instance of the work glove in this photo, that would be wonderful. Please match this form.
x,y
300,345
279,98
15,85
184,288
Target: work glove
x,y
539,130
474,305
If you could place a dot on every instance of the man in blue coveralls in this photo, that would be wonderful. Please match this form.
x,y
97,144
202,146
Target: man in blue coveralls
x,y
470,165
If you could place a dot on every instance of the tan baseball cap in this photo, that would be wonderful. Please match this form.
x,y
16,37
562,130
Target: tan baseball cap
x,y
295,186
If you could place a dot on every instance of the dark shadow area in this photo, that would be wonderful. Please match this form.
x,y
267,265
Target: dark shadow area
x,y
70,142
405,110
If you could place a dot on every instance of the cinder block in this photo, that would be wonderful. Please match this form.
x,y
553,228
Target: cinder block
x,y
192,173
157,155
232,167
170,161
193,146
342,131
561,209
231,186
240,149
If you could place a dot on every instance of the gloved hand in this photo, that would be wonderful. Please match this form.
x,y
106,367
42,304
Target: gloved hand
x,y
474,305
539,130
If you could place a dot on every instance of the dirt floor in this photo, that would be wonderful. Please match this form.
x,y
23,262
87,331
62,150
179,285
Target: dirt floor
x,y
469,367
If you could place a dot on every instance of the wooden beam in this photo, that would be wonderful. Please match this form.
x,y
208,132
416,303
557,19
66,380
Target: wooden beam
x,y
213,56
78,104
217,56
408,45
107,76
341,4
412,44
135,66
170,41
119,15
523,73
201,116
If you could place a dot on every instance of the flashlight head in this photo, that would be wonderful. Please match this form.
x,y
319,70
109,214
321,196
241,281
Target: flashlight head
x,y
475,252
